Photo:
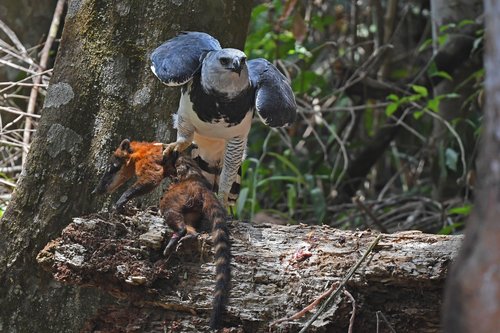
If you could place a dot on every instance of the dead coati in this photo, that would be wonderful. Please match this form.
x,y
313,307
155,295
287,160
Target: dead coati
x,y
187,202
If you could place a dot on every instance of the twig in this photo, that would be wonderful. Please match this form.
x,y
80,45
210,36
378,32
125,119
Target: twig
x,y
455,134
314,132
17,111
15,55
17,83
353,315
308,308
44,58
344,155
370,214
342,284
12,36
6,182
21,68
15,168
379,313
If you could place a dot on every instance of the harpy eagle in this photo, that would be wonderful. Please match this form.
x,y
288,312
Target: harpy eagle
x,y
220,93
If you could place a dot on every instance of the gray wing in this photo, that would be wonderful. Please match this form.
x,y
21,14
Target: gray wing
x,y
274,99
175,61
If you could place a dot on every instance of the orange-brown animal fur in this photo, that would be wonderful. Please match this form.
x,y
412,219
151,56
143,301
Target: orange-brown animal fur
x,y
142,159
185,205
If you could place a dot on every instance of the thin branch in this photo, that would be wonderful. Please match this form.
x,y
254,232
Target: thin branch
x,y
13,37
370,214
21,68
455,134
384,318
54,27
17,83
342,284
6,182
353,315
17,111
308,308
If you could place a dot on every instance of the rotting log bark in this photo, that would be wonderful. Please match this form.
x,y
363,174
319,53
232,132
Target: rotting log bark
x,y
277,270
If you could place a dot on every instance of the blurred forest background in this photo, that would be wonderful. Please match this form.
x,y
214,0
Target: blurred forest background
x,y
389,92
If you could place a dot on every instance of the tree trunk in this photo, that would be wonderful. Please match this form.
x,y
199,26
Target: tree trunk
x,y
101,92
276,271
473,290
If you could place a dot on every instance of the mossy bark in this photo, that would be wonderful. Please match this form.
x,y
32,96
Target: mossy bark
x,y
101,92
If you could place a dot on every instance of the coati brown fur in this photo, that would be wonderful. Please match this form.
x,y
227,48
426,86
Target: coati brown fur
x,y
185,205
141,159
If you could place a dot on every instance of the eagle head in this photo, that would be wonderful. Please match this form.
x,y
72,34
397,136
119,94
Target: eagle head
x,y
225,71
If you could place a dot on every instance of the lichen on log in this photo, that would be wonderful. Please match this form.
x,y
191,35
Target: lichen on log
x,y
276,271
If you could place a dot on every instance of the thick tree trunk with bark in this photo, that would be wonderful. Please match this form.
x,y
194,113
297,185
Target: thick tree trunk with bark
x,y
101,92
277,271
473,290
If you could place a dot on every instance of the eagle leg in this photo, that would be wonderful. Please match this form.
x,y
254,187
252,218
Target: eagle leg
x,y
233,156
185,134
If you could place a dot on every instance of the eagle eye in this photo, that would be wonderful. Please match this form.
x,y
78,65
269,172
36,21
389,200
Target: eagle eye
x,y
224,61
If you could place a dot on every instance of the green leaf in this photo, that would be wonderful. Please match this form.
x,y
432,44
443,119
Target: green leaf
x,y
393,97
450,228
319,204
391,108
242,199
290,179
443,75
418,114
463,210
452,95
427,43
463,23
412,98
421,90
291,199
433,104
451,159
445,27
307,81
442,40
289,164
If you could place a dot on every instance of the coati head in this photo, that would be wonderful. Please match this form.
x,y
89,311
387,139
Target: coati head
x,y
147,156
119,170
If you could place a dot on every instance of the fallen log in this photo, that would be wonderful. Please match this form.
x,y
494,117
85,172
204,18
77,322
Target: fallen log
x,y
276,272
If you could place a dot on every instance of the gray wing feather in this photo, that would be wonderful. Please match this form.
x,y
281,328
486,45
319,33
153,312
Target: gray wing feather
x,y
274,99
177,60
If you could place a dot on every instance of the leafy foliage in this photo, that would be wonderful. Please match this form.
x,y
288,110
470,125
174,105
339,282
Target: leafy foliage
x,y
350,88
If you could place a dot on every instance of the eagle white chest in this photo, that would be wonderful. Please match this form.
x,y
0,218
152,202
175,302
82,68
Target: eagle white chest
x,y
217,128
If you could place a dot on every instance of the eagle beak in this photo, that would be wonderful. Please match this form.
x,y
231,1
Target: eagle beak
x,y
237,66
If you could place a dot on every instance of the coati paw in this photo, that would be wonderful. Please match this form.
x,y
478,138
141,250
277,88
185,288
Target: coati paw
x,y
177,241
194,235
